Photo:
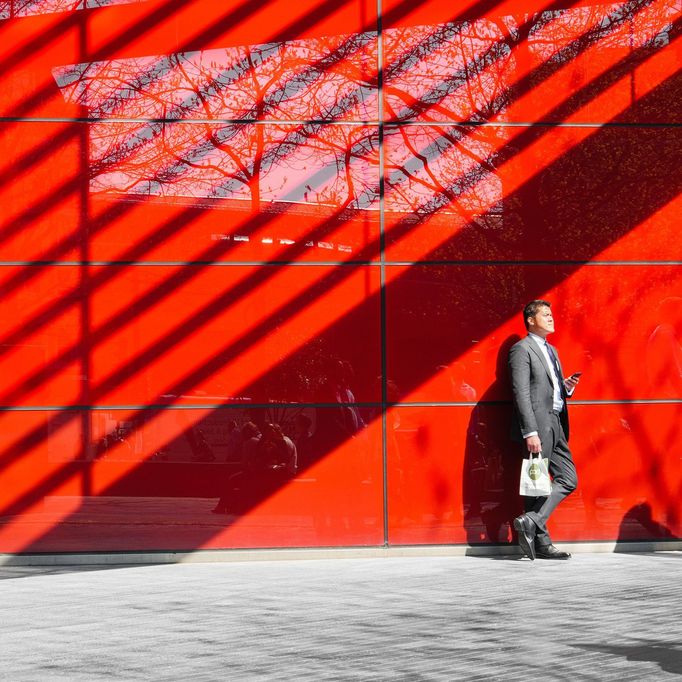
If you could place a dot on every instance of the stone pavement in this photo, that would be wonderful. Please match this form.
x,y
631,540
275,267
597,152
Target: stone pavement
x,y
596,617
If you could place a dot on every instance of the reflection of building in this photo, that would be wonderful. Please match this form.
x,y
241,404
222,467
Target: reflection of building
x,y
223,218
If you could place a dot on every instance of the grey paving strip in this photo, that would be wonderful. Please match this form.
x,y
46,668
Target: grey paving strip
x,y
595,617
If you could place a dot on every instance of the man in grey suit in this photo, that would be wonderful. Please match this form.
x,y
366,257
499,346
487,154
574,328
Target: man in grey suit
x,y
541,423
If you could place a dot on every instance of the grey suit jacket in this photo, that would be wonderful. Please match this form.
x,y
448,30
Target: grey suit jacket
x,y
533,391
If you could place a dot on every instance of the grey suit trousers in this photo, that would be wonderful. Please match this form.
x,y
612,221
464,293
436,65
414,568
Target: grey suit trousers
x,y
564,481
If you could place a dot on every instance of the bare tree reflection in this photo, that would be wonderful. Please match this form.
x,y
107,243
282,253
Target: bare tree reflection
x,y
324,78
473,70
329,79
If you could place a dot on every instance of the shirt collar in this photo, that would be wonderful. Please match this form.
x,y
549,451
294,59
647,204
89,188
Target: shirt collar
x,y
538,339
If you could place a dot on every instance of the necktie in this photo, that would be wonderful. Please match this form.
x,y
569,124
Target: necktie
x,y
557,369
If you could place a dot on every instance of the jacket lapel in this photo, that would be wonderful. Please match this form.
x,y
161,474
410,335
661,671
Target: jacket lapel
x,y
534,349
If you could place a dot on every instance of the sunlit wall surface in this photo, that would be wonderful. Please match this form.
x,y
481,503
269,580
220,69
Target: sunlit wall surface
x,y
261,264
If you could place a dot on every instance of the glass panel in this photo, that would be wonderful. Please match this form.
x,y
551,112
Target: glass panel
x,y
196,335
532,193
191,59
214,335
638,499
152,191
454,474
29,49
43,349
522,62
327,78
620,325
43,173
189,479
234,192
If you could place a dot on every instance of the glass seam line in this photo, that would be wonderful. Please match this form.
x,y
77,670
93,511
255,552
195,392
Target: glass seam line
x,y
300,406
328,122
382,274
347,263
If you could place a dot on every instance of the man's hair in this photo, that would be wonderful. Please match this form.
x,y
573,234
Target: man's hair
x,y
531,309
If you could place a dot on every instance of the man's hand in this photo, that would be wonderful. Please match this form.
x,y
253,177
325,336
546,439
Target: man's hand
x,y
571,382
533,444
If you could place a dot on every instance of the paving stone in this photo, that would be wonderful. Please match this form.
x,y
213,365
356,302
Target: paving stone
x,y
595,617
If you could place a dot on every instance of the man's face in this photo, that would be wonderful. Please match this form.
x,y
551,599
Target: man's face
x,y
542,323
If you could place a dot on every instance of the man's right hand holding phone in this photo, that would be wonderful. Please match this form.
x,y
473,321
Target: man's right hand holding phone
x,y
572,382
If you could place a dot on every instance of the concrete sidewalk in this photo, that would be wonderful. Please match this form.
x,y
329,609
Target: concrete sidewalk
x,y
595,617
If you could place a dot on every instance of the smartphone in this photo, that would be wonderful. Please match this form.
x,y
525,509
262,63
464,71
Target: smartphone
x,y
575,375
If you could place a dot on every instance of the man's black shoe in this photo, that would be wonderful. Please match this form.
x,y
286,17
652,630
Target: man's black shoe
x,y
551,552
525,527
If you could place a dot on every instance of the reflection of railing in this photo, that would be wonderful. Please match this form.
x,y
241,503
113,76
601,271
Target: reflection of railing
x,y
283,241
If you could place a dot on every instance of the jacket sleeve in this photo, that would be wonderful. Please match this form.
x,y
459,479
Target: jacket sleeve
x,y
519,369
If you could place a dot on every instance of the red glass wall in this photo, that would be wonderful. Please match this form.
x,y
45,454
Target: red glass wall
x,y
261,266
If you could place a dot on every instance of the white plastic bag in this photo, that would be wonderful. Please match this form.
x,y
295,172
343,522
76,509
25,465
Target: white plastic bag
x,y
535,480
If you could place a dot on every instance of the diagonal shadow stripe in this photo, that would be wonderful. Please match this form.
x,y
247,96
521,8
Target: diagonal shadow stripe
x,y
160,14
68,187
22,277
503,154
620,16
73,184
606,238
